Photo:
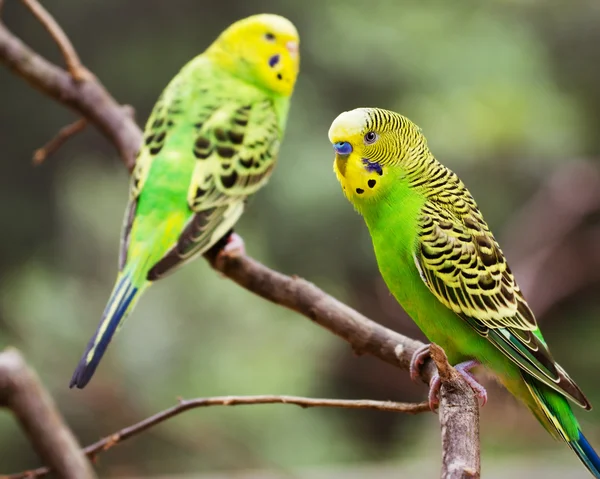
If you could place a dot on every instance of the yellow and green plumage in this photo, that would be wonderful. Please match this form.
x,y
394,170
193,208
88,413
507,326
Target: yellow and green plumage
x,y
212,140
443,265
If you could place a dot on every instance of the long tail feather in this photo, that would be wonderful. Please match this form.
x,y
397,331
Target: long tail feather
x,y
554,412
587,454
121,302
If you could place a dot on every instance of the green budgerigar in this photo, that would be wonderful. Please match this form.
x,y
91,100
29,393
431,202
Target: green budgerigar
x,y
211,141
443,265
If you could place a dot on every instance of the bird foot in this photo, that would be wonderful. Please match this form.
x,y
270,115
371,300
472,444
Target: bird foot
x,y
234,248
417,360
464,369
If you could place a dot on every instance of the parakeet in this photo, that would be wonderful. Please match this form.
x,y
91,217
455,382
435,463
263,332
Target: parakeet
x,y
211,140
441,262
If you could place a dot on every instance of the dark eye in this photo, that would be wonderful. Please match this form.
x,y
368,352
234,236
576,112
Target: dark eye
x,y
370,137
269,37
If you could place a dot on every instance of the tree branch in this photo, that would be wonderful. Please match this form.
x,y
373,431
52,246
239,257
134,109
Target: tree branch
x,y
22,393
185,405
459,419
55,143
76,69
87,97
90,99
297,294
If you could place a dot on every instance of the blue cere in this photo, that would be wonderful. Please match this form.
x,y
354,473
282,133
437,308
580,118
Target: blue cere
x,y
343,147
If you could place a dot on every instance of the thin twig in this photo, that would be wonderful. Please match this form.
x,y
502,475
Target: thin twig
x,y
74,66
459,420
22,392
185,405
55,143
88,98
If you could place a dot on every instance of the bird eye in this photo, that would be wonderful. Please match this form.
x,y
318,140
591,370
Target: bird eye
x,y
269,37
370,137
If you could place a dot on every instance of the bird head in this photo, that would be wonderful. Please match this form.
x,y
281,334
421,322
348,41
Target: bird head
x,y
262,49
373,148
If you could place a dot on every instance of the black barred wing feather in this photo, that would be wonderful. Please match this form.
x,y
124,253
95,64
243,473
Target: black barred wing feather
x,y
204,229
236,149
461,263
467,271
232,144
167,118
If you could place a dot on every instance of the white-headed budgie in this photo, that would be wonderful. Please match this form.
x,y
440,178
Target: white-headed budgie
x,y
443,265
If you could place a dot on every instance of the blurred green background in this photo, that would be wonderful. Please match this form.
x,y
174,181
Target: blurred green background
x,y
508,93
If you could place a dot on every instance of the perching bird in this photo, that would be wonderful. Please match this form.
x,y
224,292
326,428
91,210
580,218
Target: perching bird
x,y
443,265
211,141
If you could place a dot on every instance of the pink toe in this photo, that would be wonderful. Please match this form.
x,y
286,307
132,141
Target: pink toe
x,y
235,246
418,358
415,369
478,389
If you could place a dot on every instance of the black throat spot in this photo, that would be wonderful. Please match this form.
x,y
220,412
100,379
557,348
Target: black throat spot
x,y
372,166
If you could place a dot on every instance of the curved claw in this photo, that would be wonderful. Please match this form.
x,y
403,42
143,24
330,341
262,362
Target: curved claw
x,y
464,370
417,360
434,392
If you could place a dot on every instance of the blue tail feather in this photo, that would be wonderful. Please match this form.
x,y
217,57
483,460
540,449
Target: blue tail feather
x,y
120,303
587,454
555,414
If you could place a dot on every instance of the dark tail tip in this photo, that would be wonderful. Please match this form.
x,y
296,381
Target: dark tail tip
x,y
82,375
587,454
121,300
84,370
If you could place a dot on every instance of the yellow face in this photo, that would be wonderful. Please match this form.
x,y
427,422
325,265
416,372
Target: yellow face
x,y
263,49
373,147
357,174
